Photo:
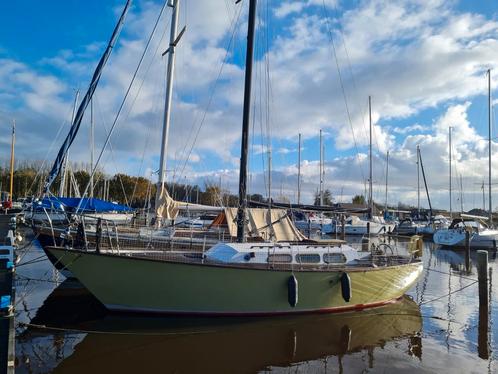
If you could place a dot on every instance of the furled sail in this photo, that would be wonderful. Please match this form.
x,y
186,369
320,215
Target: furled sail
x,y
166,207
84,103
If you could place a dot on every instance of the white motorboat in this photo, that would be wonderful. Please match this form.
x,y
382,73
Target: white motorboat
x,y
481,237
358,226
315,223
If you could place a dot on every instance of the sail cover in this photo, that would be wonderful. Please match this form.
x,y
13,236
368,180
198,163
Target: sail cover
x,y
166,207
85,205
84,103
262,223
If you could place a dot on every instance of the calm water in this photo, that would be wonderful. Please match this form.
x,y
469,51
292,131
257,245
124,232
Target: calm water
x,y
418,334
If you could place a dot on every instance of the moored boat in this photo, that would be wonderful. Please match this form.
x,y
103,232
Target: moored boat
x,y
252,279
480,236
266,278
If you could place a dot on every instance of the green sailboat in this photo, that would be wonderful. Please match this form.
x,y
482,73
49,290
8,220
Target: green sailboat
x,y
243,278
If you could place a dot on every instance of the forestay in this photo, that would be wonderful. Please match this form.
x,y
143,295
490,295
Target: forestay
x,y
84,103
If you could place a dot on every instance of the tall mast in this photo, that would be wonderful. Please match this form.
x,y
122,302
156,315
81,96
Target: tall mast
x,y
370,196
461,194
321,169
425,182
92,146
64,170
245,123
387,179
12,159
449,137
269,179
175,4
418,180
489,149
483,197
299,171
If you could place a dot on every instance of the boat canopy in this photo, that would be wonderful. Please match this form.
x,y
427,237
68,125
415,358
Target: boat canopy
x,y
168,208
262,224
85,204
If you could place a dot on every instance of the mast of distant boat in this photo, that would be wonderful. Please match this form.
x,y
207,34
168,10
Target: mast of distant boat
x,y
418,181
489,148
12,145
321,169
64,170
449,140
92,147
387,179
299,172
269,180
425,182
241,212
370,193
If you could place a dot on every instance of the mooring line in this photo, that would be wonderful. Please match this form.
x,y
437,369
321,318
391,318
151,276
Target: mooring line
x,y
81,331
37,279
33,261
451,274
450,293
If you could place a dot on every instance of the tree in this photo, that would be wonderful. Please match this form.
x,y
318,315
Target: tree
x,y
212,195
359,199
327,198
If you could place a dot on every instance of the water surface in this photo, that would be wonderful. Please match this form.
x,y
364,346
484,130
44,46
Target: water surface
x,y
434,329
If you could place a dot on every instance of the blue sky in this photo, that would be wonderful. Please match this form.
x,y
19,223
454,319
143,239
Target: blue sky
x,y
423,64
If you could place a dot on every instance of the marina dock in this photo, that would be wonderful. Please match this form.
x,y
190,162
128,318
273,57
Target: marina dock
x,y
7,294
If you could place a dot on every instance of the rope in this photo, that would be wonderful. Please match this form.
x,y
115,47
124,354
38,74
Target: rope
x,y
448,294
33,261
450,274
36,279
81,331
28,291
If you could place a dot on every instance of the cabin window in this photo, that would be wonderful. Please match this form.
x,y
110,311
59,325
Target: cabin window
x,y
280,257
311,258
334,258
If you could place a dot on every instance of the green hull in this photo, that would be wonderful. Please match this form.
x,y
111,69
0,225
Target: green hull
x,y
147,285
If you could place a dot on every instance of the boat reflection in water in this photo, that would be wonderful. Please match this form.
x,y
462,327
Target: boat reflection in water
x,y
121,343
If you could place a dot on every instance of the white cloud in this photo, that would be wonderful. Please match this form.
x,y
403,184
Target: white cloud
x,y
408,55
411,128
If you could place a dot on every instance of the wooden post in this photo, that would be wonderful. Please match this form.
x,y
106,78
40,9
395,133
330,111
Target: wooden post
x,y
98,235
336,221
343,228
483,332
365,244
467,251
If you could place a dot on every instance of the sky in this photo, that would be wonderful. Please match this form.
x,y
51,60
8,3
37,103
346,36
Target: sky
x,y
423,63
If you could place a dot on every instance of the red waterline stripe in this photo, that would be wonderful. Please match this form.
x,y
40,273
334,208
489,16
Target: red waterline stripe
x,y
341,309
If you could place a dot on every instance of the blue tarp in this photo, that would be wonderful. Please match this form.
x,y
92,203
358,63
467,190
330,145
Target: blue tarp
x,y
70,204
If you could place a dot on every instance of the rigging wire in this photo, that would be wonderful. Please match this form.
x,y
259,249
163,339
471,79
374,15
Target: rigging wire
x,y
56,138
355,88
214,86
111,151
126,95
327,22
